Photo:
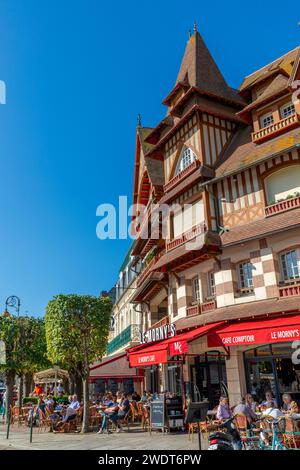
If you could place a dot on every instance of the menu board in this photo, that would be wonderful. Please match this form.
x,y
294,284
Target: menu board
x,y
157,413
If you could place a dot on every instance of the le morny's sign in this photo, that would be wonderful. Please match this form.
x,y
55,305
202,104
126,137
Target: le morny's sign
x,y
159,333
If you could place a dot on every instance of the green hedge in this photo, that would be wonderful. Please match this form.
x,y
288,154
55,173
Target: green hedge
x,y
63,399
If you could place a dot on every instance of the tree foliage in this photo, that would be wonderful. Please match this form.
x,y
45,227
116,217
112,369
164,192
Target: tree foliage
x,y
77,328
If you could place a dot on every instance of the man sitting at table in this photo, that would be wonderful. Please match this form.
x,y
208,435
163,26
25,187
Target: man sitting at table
x,y
223,410
72,409
109,411
244,408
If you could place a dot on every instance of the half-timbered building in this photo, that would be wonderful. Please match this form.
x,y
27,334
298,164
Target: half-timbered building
x,y
226,277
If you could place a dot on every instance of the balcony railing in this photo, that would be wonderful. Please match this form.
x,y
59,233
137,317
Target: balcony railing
x,y
291,290
201,308
276,128
180,176
282,206
131,334
164,321
185,237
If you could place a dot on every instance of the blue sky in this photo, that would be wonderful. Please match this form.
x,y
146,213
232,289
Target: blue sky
x,y
77,73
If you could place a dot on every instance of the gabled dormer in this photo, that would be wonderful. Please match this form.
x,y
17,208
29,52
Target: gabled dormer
x,y
272,109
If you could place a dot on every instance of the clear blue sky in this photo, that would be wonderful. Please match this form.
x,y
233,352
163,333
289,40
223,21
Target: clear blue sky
x,y
77,74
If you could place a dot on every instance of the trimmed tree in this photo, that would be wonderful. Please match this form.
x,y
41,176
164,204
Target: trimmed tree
x,y
25,348
77,328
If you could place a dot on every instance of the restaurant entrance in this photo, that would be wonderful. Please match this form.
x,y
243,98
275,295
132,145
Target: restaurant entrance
x,y
271,367
208,378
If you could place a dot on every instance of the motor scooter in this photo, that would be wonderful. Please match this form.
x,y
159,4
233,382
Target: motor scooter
x,y
228,440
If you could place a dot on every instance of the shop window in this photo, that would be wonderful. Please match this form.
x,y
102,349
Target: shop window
x,y
245,277
196,289
186,158
287,110
290,266
211,285
266,120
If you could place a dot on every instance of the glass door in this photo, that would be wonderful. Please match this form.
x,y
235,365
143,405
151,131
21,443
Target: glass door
x,y
261,377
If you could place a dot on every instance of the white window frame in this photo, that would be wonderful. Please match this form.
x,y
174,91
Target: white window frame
x,y
265,117
295,274
244,283
187,157
196,289
291,110
211,285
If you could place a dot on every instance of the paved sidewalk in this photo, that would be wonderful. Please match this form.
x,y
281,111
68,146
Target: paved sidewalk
x,y
134,439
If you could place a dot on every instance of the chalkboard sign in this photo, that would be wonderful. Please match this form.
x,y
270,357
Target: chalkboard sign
x,y
157,413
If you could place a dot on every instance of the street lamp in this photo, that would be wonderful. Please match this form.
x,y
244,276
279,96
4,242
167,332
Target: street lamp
x,y
14,302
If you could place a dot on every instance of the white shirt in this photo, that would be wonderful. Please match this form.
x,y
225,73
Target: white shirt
x,y
74,405
274,412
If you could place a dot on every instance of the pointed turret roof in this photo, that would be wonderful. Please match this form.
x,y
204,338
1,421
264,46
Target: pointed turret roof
x,y
199,70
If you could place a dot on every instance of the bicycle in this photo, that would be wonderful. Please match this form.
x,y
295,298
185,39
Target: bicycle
x,y
276,443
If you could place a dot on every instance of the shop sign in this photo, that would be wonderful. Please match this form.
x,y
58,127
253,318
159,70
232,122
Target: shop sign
x,y
159,333
260,336
148,359
178,347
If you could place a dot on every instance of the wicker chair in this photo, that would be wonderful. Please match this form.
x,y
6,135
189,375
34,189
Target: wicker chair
x,y
291,434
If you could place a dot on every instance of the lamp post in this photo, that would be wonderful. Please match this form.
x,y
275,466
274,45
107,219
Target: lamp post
x,y
14,302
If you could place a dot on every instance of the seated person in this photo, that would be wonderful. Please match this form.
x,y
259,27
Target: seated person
x,y
135,396
289,405
249,400
223,410
274,412
245,409
109,411
269,402
124,406
144,397
72,409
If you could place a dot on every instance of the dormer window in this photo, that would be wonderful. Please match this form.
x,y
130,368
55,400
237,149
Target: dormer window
x,y
266,120
287,110
186,158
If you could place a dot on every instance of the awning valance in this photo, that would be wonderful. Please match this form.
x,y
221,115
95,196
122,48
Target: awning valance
x,y
280,329
158,353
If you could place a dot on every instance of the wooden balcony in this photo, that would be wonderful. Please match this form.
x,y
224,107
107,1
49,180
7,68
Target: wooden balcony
x,y
290,290
145,273
282,206
185,237
163,321
183,174
276,128
201,308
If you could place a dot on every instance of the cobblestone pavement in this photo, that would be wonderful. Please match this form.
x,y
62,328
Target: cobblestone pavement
x,y
135,438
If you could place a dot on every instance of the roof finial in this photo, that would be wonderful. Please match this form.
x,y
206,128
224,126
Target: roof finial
x,y
195,27
139,120
190,34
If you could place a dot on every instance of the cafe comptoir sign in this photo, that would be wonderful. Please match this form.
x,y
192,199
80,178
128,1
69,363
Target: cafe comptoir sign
x,y
159,333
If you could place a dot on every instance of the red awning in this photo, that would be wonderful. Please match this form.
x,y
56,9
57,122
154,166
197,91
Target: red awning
x,y
157,353
276,330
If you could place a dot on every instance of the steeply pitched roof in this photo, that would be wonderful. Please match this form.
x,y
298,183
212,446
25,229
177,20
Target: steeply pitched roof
x,y
199,70
277,86
242,152
283,63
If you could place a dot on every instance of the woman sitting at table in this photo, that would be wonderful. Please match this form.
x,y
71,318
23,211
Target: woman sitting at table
x,y
223,410
289,405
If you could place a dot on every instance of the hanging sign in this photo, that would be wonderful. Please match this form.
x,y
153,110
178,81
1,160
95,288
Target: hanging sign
x,y
178,347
